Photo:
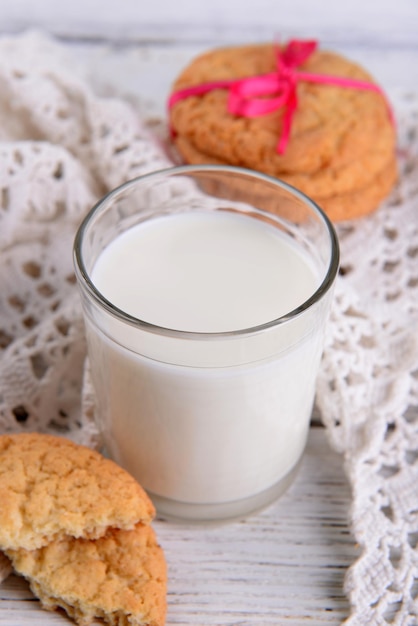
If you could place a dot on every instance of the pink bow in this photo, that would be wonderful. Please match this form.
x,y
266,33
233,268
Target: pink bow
x,y
280,86
263,94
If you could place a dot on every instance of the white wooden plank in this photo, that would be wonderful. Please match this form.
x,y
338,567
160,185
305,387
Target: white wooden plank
x,y
194,20
284,565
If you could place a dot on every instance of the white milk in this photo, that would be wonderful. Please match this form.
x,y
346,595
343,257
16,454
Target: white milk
x,y
205,420
210,271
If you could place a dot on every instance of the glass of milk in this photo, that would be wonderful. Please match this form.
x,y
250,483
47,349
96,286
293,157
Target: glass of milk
x,y
205,292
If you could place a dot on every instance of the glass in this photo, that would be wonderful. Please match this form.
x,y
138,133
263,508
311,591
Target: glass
x,y
212,423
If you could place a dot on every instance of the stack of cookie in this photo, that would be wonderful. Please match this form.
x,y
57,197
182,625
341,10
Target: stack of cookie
x,y
341,149
77,527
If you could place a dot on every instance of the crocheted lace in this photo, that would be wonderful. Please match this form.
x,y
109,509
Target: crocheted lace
x,y
368,391
61,148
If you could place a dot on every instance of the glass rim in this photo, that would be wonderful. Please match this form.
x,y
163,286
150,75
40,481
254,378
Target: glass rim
x,y
84,278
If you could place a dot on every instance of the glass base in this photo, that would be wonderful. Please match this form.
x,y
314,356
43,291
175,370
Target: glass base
x,y
224,511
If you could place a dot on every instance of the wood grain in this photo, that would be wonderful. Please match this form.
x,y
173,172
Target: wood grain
x,y
284,565
187,20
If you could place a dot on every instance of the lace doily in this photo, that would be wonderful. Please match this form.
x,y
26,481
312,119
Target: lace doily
x,y
62,147
368,391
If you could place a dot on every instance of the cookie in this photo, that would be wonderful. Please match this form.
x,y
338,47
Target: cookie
x,y
344,206
331,126
51,487
362,201
120,577
326,182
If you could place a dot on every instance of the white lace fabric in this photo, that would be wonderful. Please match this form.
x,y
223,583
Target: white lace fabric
x,y
368,391
61,148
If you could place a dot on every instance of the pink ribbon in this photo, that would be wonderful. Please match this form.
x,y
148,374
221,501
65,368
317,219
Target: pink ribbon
x,y
263,94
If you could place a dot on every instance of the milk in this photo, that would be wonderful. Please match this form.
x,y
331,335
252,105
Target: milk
x,y
214,415
204,271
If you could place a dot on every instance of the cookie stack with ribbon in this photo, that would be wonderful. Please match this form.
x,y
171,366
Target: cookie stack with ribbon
x,y
311,118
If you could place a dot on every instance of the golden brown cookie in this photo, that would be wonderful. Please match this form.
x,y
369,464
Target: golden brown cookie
x,y
340,206
332,124
362,201
328,181
120,578
51,487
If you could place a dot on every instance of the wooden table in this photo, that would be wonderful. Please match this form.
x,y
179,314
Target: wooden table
x,y
285,565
